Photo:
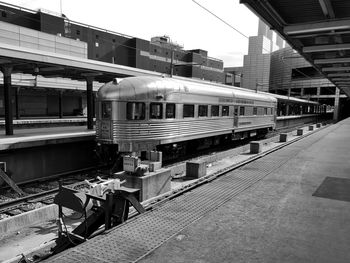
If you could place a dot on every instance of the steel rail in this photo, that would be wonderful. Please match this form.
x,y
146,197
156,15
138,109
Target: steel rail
x,y
17,203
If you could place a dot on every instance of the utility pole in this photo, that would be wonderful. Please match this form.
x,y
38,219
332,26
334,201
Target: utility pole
x,y
172,63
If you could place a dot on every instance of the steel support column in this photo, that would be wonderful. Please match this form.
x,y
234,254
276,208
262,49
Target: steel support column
x,y
18,115
60,108
336,105
89,102
6,71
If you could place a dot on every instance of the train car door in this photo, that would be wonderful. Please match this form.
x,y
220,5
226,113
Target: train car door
x,y
235,116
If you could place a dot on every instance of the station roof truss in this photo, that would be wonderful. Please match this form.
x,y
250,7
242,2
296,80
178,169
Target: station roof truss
x,y
318,29
53,65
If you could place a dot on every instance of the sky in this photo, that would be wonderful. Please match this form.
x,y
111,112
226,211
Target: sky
x,y
184,21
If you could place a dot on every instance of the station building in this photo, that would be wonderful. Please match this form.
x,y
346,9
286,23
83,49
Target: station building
x,y
272,66
233,76
51,32
160,54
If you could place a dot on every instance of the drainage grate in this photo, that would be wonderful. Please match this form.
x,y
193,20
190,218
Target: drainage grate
x,y
141,235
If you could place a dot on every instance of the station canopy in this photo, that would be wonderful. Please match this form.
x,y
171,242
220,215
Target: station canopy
x,y
318,29
52,65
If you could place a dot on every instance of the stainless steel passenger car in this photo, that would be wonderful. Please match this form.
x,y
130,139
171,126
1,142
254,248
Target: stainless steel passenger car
x,y
141,113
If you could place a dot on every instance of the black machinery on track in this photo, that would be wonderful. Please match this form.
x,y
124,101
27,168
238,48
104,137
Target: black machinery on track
x,y
106,204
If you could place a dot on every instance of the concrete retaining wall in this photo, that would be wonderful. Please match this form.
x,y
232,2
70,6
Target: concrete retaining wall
x,y
36,216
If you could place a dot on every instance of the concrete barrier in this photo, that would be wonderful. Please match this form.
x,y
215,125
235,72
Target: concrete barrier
x,y
151,184
283,137
36,216
196,169
255,147
311,128
300,132
318,125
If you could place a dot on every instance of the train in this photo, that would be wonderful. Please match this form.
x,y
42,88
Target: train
x,y
147,113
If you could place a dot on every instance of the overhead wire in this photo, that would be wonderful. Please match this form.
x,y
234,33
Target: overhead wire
x,y
222,20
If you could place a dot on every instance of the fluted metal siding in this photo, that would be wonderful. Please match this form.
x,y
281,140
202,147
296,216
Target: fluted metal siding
x,y
138,131
165,130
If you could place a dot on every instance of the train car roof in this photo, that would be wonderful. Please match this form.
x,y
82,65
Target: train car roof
x,y
293,99
142,87
277,96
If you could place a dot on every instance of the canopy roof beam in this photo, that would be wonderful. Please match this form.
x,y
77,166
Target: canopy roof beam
x,y
323,48
317,27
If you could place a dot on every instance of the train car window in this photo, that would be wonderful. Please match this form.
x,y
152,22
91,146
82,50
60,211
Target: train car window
x,y
268,111
225,111
106,110
156,111
261,111
265,111
202,111
170,111
188,111
255,111
248,111
214,110
135,111
241,111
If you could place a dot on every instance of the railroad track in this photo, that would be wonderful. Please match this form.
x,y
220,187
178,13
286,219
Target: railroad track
x,y
46,197
25,203
18,203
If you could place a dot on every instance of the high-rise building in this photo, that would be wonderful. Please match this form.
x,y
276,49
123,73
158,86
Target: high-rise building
x,y
272,66
292,75
256,69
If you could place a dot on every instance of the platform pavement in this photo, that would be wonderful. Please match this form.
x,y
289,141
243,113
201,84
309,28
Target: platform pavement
x,y
282,218
291,213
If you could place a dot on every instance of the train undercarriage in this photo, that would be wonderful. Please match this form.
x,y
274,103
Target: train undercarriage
x,y
110,156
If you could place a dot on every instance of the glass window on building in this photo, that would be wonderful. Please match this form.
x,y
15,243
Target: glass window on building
x,y
202,111
188,111
225,111
170,111
156,111
214,110
135,111
106,110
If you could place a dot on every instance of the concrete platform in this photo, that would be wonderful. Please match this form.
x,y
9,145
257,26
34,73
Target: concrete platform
x,y
24,138
275,209
44,152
